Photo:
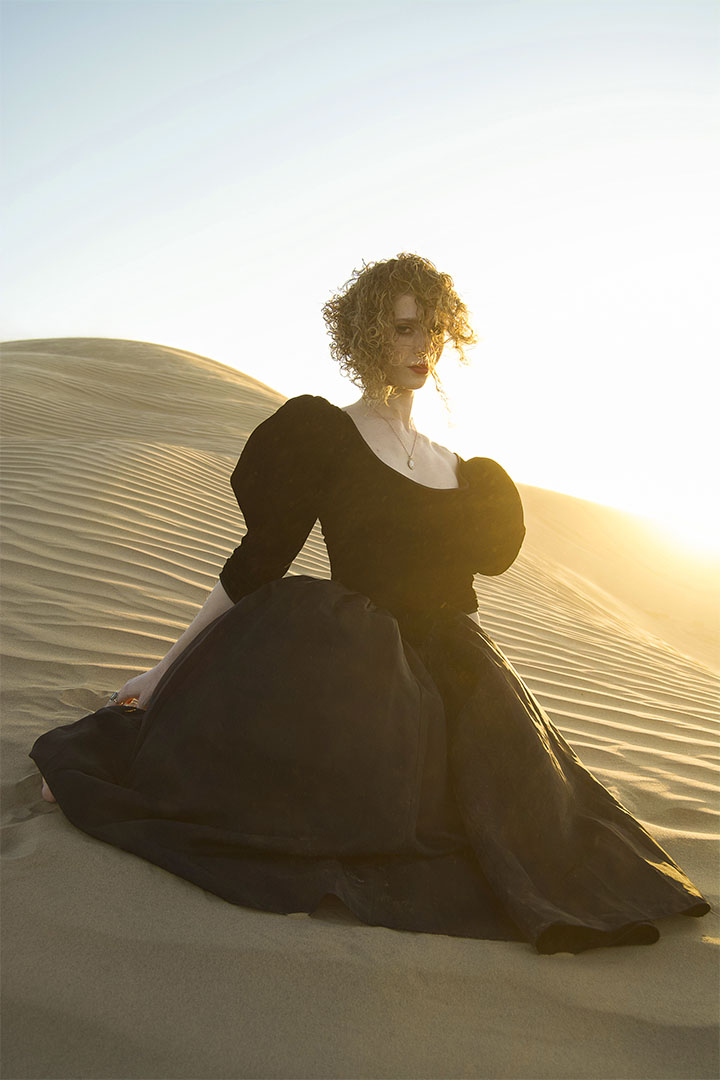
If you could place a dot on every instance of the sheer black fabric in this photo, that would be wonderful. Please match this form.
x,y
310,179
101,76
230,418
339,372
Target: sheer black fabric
x,y
362,736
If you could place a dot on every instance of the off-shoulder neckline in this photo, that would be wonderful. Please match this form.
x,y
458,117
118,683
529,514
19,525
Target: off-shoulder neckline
x,y
423,487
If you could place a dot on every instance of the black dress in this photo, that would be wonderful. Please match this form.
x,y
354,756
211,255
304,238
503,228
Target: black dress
x,y
361,736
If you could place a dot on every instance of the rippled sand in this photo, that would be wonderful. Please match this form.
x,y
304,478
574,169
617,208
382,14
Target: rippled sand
x,y
118,515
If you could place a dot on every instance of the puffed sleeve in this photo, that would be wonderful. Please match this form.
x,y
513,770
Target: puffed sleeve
x,y
279,483
495,525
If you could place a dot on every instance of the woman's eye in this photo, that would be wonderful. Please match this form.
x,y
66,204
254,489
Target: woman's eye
x,y
403,329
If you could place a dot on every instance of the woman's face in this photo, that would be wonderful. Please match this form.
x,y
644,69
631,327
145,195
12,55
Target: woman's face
x,y
409,366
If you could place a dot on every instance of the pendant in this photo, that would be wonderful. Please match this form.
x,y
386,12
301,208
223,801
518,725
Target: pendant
x,y
411,463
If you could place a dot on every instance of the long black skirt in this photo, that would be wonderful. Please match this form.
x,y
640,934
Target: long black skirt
x,y
309,743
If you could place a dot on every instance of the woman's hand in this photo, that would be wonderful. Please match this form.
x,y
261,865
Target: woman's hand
x,y
141,687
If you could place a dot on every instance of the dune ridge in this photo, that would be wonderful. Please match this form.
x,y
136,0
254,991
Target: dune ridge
x,y
117,517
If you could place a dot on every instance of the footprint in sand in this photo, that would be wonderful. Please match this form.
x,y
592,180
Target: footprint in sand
x,y
15,842
83,698
22,803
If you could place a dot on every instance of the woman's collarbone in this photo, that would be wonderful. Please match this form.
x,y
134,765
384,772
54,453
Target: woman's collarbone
x,y
433,466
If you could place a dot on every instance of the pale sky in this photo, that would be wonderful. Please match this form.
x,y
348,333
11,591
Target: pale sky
x,y
205,174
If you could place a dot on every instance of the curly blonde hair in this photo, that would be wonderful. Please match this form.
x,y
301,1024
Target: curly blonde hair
x,y
361,319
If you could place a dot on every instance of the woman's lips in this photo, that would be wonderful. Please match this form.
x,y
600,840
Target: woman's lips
x,y
420,369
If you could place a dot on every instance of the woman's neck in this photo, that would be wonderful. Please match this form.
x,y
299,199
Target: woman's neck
x,y
398,407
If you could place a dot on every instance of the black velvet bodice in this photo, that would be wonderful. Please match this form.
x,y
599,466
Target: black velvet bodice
x,y
408,547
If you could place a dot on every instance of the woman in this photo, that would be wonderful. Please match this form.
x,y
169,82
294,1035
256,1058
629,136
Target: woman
x,y
362,736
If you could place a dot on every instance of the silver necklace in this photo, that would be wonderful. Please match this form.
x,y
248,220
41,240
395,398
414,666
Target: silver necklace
x,y
411,459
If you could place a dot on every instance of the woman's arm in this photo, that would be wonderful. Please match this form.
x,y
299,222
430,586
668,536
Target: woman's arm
x,y
217,603
141,687
278,483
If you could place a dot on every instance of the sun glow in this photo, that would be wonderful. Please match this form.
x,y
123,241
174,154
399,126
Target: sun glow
x,y
566,182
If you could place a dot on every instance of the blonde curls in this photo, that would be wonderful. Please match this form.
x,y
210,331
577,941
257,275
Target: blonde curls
x,y
361,319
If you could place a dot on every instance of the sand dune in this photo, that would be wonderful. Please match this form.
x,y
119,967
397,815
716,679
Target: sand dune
x,y
118,515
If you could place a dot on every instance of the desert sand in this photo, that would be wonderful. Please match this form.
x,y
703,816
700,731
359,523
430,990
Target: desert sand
x,y
118,516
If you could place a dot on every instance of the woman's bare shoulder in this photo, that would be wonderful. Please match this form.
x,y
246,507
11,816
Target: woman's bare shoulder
x,y
442,451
